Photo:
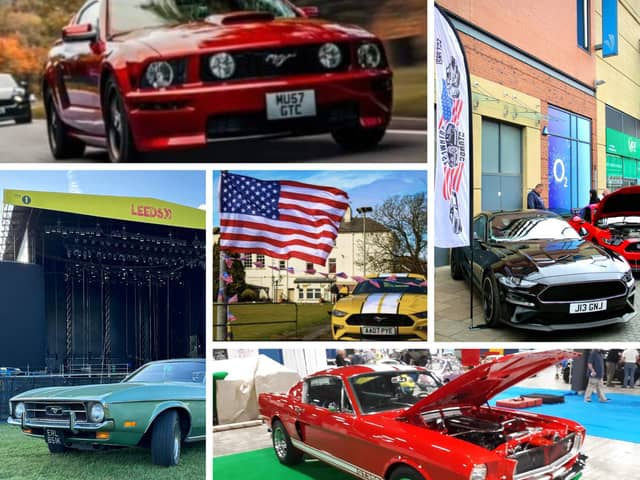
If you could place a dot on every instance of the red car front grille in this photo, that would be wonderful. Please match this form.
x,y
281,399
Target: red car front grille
x,y
281,62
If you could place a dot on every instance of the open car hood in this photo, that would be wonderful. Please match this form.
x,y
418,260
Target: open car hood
x,y
621,203
485,381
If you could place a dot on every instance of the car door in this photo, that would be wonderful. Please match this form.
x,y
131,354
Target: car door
x,y
325,415
80,71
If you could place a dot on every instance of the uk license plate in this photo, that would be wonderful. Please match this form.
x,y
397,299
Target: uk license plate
x,y
53,437
379,330
284,105
588,307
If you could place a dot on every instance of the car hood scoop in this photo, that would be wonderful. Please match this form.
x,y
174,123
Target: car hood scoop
x,y
485,381
240,17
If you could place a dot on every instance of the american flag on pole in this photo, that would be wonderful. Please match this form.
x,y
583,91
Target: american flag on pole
x,y
282,219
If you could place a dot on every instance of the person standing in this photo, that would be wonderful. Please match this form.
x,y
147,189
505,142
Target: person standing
x,y
335,293
611,362
593,196
534,199
595,370
340,354
629,359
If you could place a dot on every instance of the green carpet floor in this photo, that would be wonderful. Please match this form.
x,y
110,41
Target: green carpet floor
x,y
263,464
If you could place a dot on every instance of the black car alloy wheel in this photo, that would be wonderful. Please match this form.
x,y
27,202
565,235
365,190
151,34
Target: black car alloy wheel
x,y
120,142
490,300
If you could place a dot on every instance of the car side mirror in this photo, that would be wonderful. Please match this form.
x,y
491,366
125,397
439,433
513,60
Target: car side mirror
x,y
310,12
79,33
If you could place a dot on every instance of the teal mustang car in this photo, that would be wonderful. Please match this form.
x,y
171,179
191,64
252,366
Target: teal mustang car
x,y
161,405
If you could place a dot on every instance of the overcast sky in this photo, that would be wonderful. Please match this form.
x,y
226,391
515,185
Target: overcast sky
x,y
365,188
183,187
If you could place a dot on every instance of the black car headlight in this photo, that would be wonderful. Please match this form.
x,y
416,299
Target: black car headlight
x,y
96,412
222,65
516,282
628,278
330,56
369,55
19,410
339,313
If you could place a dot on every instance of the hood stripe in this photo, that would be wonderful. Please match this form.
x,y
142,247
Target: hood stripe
x,y
382,303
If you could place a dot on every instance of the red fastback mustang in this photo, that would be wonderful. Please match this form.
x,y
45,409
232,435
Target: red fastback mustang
x,y
143,75
397,423
614,223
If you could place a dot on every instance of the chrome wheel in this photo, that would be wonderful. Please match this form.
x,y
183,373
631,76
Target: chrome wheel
x,y
176,446
280,443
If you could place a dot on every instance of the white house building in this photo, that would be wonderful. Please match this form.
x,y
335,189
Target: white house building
x,y
295,281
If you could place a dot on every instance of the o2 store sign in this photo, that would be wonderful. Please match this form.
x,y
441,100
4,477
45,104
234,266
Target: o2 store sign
x,y
559,174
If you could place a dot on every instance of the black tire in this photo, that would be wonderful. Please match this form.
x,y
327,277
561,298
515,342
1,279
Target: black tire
x,y
57,449
120,143
456,267
285,451
358,139
166,439
61,144
405,473
491,305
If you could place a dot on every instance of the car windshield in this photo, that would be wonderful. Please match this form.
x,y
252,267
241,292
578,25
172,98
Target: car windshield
x,y
381,391
520,227
129,15
395,285
7,81
190,372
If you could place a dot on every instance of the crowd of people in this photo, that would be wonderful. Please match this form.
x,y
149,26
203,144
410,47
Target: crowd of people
x,y
603,368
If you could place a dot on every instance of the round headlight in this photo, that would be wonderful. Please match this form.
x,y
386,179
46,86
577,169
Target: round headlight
x,y
330,56
96,412
222,65
19,410
160,74
369,55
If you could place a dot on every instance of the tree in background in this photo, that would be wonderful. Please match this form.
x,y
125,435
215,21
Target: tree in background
x,y
406,248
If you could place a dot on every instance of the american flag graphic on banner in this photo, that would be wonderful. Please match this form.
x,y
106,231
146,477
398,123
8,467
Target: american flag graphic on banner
x,y
452,176
282,219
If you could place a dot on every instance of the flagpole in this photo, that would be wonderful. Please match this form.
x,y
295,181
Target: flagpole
x,y
222,319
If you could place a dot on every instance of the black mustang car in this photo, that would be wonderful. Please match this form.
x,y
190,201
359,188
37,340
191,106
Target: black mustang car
x,y
535,272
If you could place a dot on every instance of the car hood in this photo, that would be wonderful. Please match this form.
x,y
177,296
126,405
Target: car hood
x,y
389,303
109,391
214,34
555,257
623,202
478,386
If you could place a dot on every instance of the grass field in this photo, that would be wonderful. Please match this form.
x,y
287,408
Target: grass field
x,y
310,317
410,91
25,458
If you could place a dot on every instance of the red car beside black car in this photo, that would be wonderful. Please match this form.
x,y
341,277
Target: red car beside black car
x,y
143,75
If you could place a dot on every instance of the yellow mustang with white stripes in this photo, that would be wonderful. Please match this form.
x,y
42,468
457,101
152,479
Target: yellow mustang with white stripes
x,y
383,307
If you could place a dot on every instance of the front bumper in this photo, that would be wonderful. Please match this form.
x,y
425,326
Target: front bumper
x,y
15,111
341,331
196,114
529,313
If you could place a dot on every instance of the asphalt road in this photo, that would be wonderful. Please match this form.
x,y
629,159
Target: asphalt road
x,y
405,142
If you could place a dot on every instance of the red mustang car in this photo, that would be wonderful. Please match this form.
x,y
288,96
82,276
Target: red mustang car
x,y
614,223
143,75
393,423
